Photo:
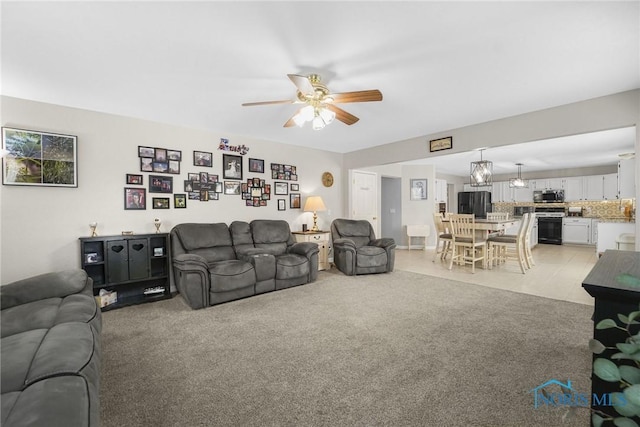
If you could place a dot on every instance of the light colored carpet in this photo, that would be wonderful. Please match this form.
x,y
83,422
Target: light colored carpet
x,y
398,349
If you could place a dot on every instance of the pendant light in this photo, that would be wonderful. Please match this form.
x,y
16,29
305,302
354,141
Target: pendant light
x,y
519,182
481,172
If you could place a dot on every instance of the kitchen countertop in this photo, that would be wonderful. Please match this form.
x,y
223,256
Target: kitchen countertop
x,y
612,219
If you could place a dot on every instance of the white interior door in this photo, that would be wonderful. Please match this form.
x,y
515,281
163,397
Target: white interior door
x,y
364,197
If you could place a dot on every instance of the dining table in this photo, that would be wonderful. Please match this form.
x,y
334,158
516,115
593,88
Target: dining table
x,y
484,226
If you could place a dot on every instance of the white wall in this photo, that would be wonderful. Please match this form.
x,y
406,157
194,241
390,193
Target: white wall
x,y
40,226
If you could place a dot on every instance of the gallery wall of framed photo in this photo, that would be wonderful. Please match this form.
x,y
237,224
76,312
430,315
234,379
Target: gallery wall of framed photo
x,y
108,161
207,186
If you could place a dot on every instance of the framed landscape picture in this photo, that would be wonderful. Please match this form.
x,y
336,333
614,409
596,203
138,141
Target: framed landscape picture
x,y
39,158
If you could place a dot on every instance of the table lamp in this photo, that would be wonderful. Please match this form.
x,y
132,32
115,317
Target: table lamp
x,y
314,204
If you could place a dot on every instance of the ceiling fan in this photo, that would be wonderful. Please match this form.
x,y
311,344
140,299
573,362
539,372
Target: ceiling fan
x,y
320,108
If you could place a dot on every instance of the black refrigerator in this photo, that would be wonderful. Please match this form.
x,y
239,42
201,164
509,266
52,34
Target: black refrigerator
x,y
474,202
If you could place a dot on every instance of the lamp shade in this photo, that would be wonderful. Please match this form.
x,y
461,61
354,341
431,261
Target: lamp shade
x,y
314,204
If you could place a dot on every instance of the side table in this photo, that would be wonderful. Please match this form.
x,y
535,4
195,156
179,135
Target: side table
x,y
323,239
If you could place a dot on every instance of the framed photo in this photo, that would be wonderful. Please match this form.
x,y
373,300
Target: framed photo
x,y
161,155
256,165
179,201
160,184
174,167
39,158
280,188
134,179
295,187
149,152
418,189
193,176
231,166
146,164
158,251
160,203
174,155
231,187
202,158
135,198
294,201
160,167
441,144
91,258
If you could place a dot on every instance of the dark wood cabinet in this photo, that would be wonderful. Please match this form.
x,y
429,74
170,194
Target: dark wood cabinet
x,y
613,284
136,267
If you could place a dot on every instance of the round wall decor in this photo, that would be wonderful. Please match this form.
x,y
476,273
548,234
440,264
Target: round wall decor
x,y
327,179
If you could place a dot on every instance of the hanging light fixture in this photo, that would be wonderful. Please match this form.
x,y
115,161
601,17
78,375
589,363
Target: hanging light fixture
x,y
519,182
481,172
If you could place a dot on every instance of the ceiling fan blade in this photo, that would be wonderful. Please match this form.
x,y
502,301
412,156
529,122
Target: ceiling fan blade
x,y
291,122
343,116
302,83
359,96
250,104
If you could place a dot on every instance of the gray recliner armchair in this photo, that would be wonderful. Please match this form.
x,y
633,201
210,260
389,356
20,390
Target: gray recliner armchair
x,y
356,249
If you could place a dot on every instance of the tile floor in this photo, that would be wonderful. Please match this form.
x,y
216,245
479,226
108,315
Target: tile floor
x,y
558,272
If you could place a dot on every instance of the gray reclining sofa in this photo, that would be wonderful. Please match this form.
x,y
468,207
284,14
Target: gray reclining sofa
x,y
216,263
51,328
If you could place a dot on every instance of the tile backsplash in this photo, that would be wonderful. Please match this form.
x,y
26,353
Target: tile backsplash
x,y
596,209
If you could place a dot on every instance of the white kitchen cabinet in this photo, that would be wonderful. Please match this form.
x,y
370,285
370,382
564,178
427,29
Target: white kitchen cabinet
x,y
441,191
608,232
610,184
576,230
573,188
593,187
522,194
594,231
627,178
501,192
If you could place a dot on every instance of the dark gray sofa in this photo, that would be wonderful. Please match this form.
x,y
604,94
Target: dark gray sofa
x,y
51,328
357,251
216,263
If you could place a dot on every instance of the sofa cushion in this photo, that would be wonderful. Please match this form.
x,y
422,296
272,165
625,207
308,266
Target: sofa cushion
x,y
274,236
291,266
231,275
199,236
371,256
30,356
43,314
357,231
241,236
58,401
48,285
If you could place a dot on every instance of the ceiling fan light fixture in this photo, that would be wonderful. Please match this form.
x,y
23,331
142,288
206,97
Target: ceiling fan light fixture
x,y
318,123
327,115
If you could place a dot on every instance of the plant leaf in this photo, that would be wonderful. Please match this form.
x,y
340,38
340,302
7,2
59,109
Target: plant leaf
x,y
606,370
628,348
596,346
606,324
624,422
596,420
634,356
630,374
623,406
633,315
632,393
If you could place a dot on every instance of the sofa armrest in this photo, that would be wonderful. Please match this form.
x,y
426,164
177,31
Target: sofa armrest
x,y
49,285
344,244
306,249
385,242
191,276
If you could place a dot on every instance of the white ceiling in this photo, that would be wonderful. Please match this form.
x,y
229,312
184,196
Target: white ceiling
x,y
439,65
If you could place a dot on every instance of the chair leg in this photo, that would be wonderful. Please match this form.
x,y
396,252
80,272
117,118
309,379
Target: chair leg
x,y
437,249
453,256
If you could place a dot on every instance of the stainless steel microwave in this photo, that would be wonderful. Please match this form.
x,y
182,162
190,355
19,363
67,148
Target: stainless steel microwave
x,y
548,196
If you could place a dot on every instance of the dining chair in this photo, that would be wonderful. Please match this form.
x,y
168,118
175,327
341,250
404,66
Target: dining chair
x,y
498,216
509,246
442,236
467,247
527,241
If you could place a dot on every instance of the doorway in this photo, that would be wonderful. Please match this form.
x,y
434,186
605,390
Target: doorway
x,y
391,208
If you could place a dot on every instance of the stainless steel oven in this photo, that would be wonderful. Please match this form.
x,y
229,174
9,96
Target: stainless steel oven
x,y
550,225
